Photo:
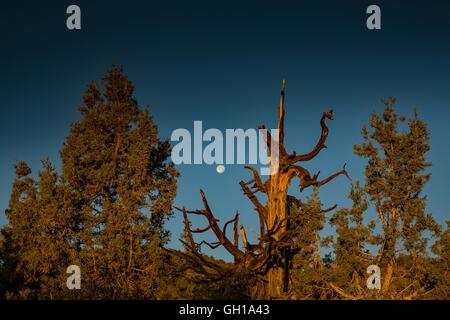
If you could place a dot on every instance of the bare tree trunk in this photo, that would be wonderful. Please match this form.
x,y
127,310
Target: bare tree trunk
x,y
388,277
266,260
390,253
277,198
274,282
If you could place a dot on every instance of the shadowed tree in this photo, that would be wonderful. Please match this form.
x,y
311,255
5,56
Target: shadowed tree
x,y
10,279
440,267
347,273
266,260
37,235
306,221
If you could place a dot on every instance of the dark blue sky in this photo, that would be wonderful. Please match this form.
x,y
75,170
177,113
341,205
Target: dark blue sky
x,y
223,62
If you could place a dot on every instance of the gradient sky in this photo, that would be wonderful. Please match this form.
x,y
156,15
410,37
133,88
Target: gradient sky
x,y
222,63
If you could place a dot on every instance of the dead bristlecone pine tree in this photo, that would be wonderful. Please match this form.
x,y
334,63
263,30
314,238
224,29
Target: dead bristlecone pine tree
x,y
265,261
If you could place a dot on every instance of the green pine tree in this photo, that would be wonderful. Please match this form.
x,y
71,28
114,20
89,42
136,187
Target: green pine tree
x,y
105,212
347,273
307,220
440,267
37,235
122,185
395,148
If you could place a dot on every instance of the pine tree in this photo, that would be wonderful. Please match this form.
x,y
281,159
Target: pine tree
x,y
307,220
11,279
440,267
104,213
351,248
36,236
15,236
122,186
395,178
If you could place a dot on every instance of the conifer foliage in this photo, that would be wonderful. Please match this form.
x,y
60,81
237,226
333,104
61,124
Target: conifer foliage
x,y
104,213
395,177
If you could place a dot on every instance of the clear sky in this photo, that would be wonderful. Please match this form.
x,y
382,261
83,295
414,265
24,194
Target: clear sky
x,y
222,63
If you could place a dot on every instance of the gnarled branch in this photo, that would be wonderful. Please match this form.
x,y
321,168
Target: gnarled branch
x,y
281,117
214,245
320,144
236,221
262,210
268,139
342,292
201,230
212,224
325,181
258,184
306,180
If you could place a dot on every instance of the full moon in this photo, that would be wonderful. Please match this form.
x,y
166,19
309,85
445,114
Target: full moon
x,y
220,168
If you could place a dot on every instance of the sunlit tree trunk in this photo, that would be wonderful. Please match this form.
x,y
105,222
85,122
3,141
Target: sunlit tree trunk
x,y
267,259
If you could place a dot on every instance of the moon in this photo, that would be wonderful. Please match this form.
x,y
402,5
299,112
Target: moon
x,y
220,169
